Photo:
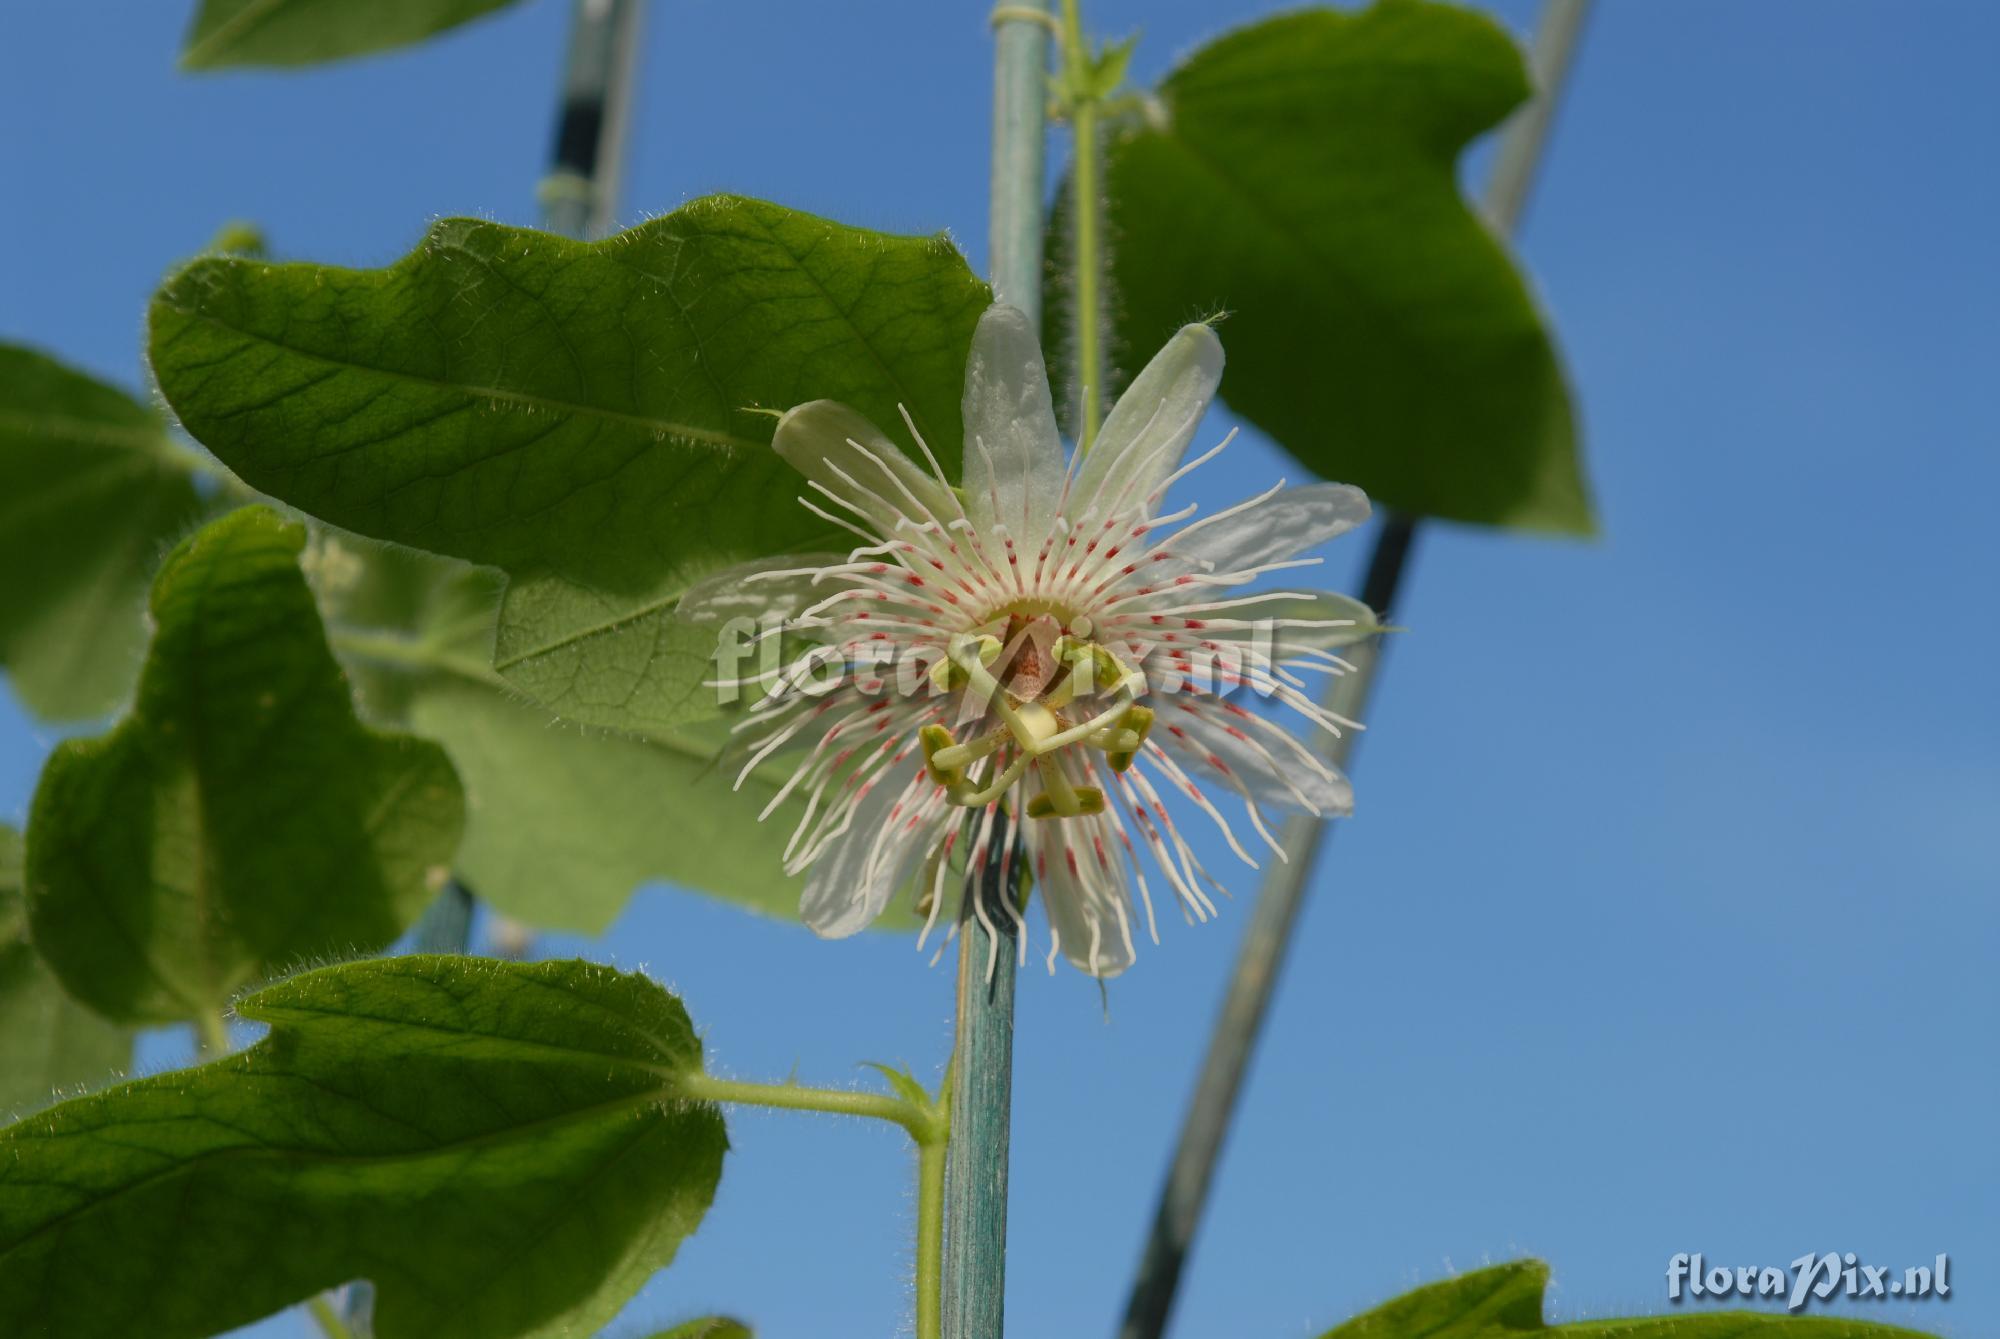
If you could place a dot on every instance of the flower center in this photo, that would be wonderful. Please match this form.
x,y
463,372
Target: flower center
x,y
1060,691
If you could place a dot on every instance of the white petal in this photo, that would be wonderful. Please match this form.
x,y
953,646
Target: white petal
x,y
1088,905
1290,523
1013,454
780,587
1198,741
854,878
1149,428
1342,619
839,449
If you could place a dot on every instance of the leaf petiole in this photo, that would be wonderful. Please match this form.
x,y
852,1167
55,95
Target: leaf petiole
x,y
926,1123
330,1323
926,1120
212,1031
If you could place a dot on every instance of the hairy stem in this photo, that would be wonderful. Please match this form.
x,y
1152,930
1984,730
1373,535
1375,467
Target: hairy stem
x,y
211,1030
927,1123
201,465
330,1323
1086,245
930,1238
924,1123
398,651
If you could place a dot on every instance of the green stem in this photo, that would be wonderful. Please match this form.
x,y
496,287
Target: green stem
x,y
925,1124
213,1033
401,652
930,1238
1086,258
201,465
330,1323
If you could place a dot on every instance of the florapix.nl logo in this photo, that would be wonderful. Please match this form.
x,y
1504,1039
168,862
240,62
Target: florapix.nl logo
x,y
1814,1276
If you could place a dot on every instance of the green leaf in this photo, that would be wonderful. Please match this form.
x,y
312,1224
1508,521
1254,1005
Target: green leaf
x,y
306,32
562,823
48,1041
239,819
708,1327
1506,1300
1734,1325
590,417
1298,175
566,823
498,1147
92,492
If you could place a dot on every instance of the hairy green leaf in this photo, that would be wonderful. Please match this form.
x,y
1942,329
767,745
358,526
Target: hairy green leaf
x,y
307,32
1734,1325
1298,175
566,823
92,492
562,822
1506,1300
48,1042
498,1147
239,819
591,417
708,1327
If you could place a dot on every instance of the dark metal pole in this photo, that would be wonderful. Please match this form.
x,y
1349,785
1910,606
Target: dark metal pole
x,y
1258,962
580,194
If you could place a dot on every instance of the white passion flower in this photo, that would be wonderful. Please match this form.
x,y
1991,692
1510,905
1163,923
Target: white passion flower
x,y
1039,643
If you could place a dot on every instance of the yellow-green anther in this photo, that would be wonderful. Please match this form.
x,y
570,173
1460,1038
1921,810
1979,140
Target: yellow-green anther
x,y
955,671
1087,799
1056,786
1138,721
934,738
1093,666
984,646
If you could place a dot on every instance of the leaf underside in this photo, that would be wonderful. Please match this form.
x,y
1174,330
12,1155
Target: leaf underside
x,y
239,820
228,33
708,1327
494,1145
562,822
48,1042
90,497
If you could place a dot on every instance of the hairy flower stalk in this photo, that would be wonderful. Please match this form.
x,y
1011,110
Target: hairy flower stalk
x,y
1042,639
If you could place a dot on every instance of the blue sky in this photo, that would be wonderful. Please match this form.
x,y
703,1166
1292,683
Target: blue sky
x,y
1667,920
